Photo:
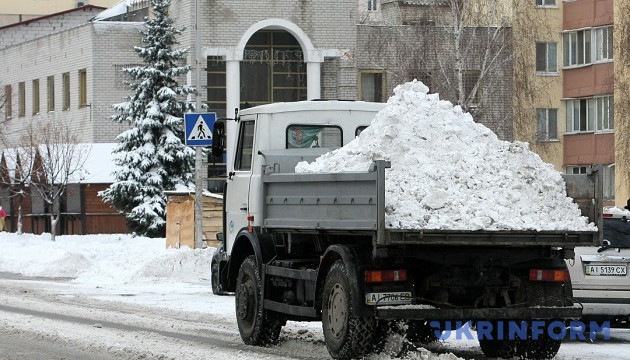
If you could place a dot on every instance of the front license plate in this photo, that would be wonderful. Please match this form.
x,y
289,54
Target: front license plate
x,y
393,298
606,270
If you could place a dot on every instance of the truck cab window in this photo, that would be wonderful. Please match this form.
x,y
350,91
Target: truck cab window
x,y
245,146
310,136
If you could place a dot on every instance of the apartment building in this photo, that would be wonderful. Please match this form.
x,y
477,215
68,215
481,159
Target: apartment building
x,y
564,103
588,87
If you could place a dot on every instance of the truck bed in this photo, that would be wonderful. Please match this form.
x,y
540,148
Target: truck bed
x,y
355,203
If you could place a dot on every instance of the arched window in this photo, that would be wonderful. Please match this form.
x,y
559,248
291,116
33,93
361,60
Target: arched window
x,y
273,69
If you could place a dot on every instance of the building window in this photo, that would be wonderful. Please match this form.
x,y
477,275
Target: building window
x,y
245,147
546,57
35,96
577,170
471,79
609,182
547,124
50,91
605,113
592,114
82,88
215,85
273,69
313,136
603,40
580,115
577,48
21,99
372,5
66,90
546,3
8,102
372,85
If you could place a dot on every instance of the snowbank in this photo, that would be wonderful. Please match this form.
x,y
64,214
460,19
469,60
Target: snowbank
x,y
451,173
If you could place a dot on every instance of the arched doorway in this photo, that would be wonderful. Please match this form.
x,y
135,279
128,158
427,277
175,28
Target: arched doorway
x,y
272,69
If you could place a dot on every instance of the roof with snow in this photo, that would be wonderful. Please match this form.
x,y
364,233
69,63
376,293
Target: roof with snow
x,y
98,167
33,20
120,8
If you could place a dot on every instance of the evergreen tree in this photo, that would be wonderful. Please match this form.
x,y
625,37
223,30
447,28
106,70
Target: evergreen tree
x,y
151,156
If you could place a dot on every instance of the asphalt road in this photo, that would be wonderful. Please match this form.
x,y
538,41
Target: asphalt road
x,y
36,323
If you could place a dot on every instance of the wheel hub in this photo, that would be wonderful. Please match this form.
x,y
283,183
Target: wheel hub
x,y
243,296
337,313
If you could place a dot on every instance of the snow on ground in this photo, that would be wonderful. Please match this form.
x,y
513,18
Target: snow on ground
x,y
448,172
142,271
122,268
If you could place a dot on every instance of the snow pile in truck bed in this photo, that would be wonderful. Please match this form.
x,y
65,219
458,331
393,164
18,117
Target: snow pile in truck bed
x,y
448,172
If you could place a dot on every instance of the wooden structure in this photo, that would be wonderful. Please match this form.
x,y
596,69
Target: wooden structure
x,y
180,219
81,210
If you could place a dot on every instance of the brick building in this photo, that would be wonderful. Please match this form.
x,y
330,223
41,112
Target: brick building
x,y
249,53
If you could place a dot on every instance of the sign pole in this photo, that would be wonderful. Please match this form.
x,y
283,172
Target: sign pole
x,y
198,151
198,198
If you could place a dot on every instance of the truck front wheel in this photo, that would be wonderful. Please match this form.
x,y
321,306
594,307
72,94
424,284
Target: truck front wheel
x,y
348,334
256,325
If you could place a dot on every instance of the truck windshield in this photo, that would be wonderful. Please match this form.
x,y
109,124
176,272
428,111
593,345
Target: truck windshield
x,y
311,136
617,232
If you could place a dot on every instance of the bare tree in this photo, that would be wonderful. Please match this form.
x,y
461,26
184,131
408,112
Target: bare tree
x,y
15,173
59,161
460,49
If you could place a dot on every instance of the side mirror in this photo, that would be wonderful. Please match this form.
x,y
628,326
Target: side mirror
x,y
218,138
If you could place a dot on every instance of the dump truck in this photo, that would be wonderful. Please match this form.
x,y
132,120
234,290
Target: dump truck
x,y
315,247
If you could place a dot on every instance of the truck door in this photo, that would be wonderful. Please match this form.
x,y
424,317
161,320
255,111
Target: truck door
x,y
237,201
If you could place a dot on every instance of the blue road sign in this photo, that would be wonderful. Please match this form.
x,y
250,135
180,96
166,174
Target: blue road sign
x,y
199,128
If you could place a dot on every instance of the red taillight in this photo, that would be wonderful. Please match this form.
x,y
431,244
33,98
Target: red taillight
x,y
378,276
548,275
607,215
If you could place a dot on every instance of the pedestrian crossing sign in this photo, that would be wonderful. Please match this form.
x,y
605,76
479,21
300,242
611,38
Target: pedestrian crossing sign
x,y
199,128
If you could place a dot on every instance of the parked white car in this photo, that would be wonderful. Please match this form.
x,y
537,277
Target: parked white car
x,y
600,276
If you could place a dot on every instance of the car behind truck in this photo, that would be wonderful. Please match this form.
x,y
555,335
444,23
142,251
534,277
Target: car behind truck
x,y
315,247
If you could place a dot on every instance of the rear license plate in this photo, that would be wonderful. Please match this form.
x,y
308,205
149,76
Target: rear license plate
x,y
393,298
606,270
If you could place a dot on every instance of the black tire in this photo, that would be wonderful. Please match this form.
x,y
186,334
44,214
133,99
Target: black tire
x,y
256,325
347,334
420,331
390,339
216,285
544,346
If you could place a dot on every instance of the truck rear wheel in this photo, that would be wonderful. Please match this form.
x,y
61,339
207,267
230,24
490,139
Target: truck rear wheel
x,y
544,346
420,331
348,334
256,325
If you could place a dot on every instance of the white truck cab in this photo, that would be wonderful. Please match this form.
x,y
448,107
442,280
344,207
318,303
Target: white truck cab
x,y
279,128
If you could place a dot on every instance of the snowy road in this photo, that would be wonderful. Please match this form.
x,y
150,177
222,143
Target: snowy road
x,y
51,319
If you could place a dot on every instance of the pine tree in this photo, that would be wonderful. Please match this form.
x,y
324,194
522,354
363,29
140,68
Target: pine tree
x,y
151,157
